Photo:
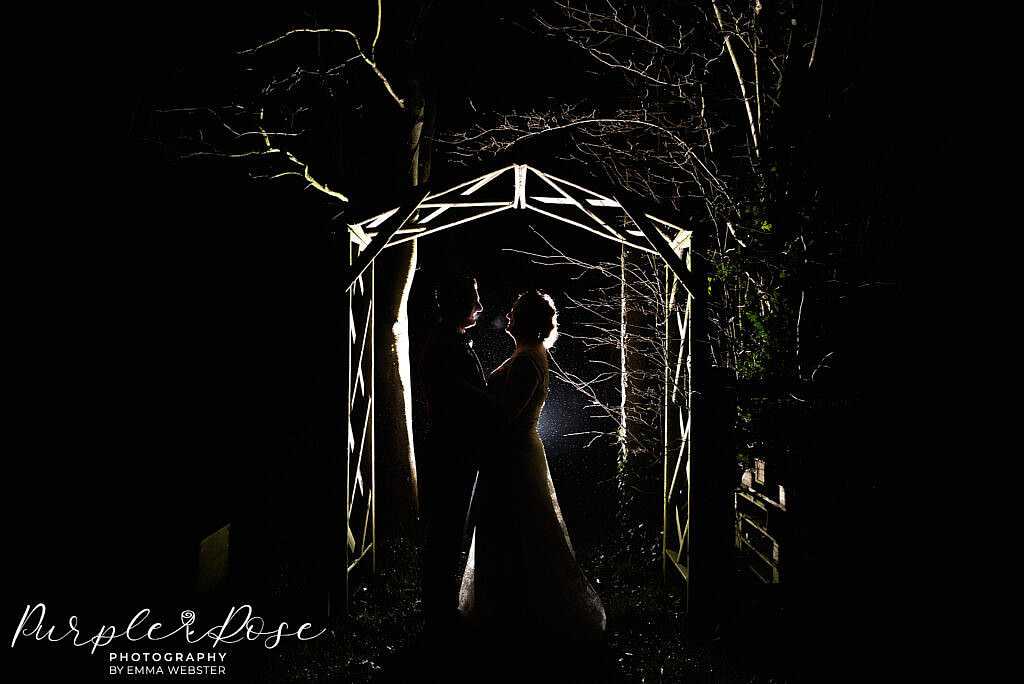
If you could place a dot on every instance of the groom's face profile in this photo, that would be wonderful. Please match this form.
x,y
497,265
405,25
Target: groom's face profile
x,y
471,309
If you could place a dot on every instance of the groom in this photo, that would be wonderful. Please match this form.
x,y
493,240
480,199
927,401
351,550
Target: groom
x,y
454,387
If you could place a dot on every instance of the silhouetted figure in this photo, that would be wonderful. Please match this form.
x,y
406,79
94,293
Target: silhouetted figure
x,y
453,385
522,586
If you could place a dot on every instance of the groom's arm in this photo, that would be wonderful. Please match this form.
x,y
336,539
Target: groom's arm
x,y
440,372
475,401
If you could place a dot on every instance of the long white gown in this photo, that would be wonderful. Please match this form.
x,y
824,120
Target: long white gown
x,y
522,580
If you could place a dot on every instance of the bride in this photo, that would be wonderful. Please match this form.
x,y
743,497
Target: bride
x,y
522,582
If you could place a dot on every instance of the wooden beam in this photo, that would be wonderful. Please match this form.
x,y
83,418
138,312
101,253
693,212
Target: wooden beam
x,y
659,243
392,225
674,557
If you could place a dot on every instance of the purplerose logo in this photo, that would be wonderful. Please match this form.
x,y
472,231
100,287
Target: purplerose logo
x,y
185,647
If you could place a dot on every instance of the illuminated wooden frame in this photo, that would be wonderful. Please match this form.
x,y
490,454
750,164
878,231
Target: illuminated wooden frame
x,y
519,187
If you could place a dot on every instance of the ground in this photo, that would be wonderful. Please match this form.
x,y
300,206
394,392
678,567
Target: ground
x,y
648,639
382,640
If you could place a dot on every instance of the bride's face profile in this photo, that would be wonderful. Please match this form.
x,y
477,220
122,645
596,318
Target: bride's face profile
x,y
532,320
511,325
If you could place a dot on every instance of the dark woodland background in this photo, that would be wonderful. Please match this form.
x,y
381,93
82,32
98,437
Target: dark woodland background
x,y
174,321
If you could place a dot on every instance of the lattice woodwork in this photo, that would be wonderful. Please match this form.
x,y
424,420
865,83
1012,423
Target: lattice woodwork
x,y
522,187
360,500
678,420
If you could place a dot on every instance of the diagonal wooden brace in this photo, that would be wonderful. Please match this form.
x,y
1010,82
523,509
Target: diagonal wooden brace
x,y
658,241
392,225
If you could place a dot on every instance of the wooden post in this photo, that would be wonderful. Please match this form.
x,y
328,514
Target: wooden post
x,y
712,413
338,492
666,414
623,455
373,423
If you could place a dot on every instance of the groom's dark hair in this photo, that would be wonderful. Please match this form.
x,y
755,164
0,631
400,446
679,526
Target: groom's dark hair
x,y
452,293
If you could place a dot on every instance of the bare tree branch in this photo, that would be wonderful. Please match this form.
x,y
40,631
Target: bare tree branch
x,y
368,59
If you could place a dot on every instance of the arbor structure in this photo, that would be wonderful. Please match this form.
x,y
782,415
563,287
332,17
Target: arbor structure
x,y
615,216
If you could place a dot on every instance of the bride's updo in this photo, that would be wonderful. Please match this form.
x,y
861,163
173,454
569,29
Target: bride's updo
x,y
535,318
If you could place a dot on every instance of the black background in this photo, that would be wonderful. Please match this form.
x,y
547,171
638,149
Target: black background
x,y
168,320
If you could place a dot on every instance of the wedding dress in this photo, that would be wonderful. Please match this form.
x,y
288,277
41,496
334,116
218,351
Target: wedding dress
x,y
522,580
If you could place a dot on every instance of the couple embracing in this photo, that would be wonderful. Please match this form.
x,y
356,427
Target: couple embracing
x,y
486,470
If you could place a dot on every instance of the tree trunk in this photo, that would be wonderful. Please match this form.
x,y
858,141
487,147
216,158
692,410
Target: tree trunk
x,y
396,465
397,486
641,371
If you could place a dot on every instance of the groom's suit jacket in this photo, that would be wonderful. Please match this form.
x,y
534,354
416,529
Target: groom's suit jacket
x,y
454,387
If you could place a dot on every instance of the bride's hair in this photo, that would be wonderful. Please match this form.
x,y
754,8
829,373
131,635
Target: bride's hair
x,y
536,318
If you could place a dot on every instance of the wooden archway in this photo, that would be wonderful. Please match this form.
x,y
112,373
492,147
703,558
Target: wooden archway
x,y
611,215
